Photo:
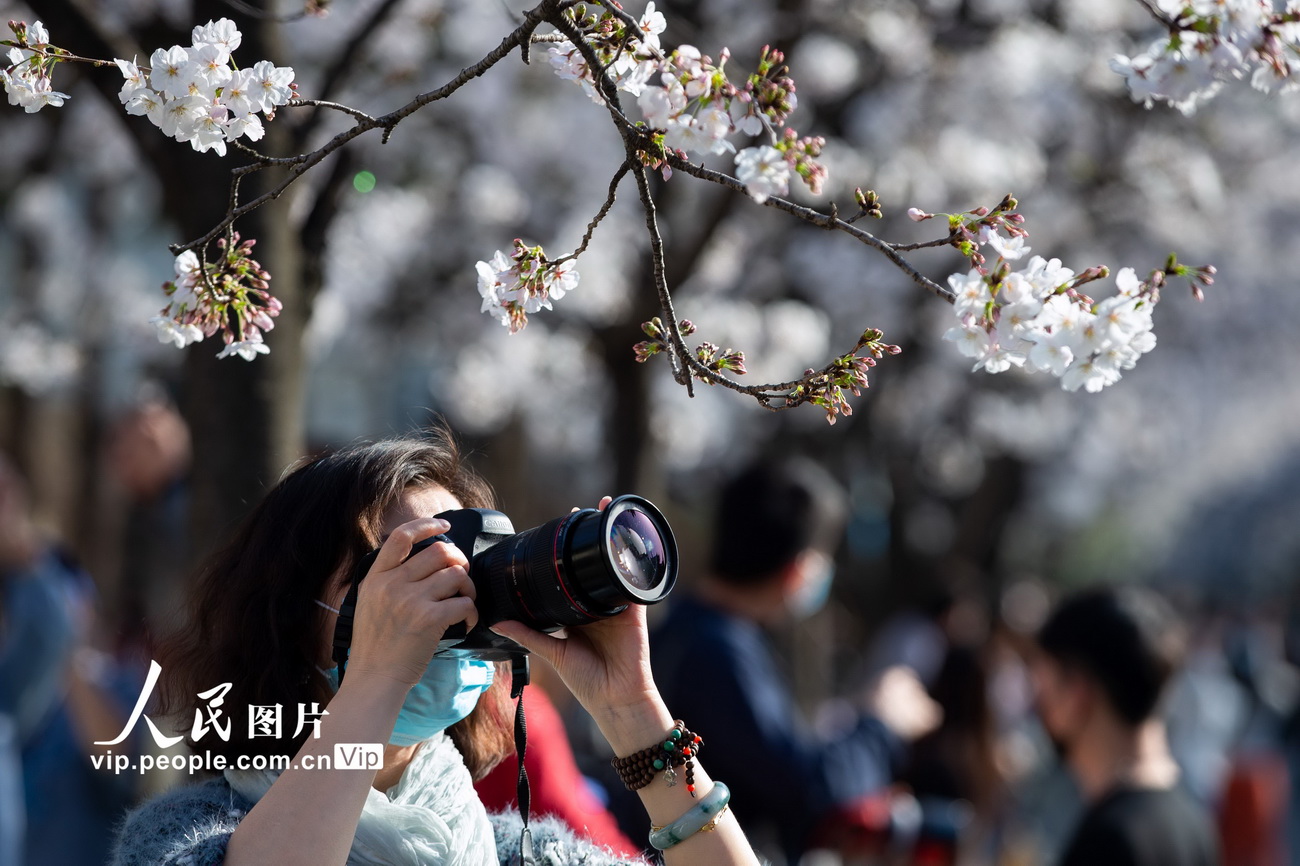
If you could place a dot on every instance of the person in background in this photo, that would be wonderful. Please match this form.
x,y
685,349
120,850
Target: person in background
x,y
777,526
149,456
957,763
1106,656
57,697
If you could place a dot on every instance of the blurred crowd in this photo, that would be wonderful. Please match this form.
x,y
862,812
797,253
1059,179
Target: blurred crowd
x,y
1031,725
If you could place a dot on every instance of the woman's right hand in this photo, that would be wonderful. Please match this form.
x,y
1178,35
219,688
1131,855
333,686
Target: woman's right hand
x,y
406,603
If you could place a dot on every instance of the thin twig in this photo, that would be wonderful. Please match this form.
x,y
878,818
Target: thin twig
x,y
335,106
609,91
1159,15
342,65
262,15
821,220
679,352
601,214
923,245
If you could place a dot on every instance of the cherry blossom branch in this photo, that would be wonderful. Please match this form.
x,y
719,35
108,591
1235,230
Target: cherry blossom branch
x,y
829,221
1007,317
679,356
334,106
301,163
689,105
1158,14
823,388
638,139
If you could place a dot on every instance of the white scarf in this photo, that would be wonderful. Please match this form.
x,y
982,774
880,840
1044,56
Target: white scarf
x,y
431,817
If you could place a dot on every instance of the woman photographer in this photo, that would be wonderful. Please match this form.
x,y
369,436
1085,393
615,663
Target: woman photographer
x,y
263,616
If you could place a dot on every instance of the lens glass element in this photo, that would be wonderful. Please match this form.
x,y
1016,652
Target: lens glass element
x,y
636,549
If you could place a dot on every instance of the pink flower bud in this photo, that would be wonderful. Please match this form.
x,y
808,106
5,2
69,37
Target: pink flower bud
x,y
918,215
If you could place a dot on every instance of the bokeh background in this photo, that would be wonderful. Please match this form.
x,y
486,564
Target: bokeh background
x,y
996,490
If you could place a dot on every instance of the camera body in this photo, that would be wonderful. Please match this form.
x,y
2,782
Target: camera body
x,y
575,569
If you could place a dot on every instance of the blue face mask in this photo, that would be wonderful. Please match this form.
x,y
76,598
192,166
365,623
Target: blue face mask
x,y
445,694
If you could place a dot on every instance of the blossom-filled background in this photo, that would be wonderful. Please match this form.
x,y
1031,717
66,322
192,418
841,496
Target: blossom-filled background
x,y
1183,470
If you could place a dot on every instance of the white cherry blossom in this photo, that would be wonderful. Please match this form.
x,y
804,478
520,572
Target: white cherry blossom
x,y
1049,355
178,335
972,340
222,33
134,83
1089,375
1010,249
271,85
652,23
972,293
168,67
246,349
764,172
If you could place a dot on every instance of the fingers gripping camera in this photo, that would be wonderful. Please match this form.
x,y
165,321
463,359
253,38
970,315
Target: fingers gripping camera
x,y
575,569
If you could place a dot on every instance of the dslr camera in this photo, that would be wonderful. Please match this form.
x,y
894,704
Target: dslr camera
x,y
575,569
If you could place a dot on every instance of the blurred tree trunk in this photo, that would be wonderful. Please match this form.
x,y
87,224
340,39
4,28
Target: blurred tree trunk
x,y
246,418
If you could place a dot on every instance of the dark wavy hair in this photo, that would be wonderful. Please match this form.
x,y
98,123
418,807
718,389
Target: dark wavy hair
x,y
773,510
253,619
1127,638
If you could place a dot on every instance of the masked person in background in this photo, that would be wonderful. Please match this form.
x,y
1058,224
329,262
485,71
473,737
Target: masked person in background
x,y
776,527
263,615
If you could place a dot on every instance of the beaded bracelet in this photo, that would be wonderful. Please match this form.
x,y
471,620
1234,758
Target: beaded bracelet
x,y
679,747
703,815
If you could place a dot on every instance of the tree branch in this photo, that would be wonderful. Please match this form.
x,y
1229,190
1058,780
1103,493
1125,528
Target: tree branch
x,y
821,220
601,214
338,71
680,355
301,163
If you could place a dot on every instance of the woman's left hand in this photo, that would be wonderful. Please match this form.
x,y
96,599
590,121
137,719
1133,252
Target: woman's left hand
x,y
606,664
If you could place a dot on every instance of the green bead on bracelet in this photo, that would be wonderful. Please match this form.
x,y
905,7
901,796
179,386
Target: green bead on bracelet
x,y
704,813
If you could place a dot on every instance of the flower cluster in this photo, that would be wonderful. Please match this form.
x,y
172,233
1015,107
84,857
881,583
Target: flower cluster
x,y
711,356
228,295
1211,42
690,102
630,59
846,373
198,94
27,77
969,231
514,286
195,94
658,342
1038,317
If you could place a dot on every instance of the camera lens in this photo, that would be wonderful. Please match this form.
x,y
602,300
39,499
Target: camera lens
x,y
581,567
636,549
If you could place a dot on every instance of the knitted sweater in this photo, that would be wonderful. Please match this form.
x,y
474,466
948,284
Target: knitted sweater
x,y
191,826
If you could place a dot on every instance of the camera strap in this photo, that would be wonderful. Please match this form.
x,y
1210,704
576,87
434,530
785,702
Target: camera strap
x,y
519,679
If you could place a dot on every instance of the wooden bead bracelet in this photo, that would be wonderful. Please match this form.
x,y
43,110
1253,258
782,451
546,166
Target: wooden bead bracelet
x,y
679,747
